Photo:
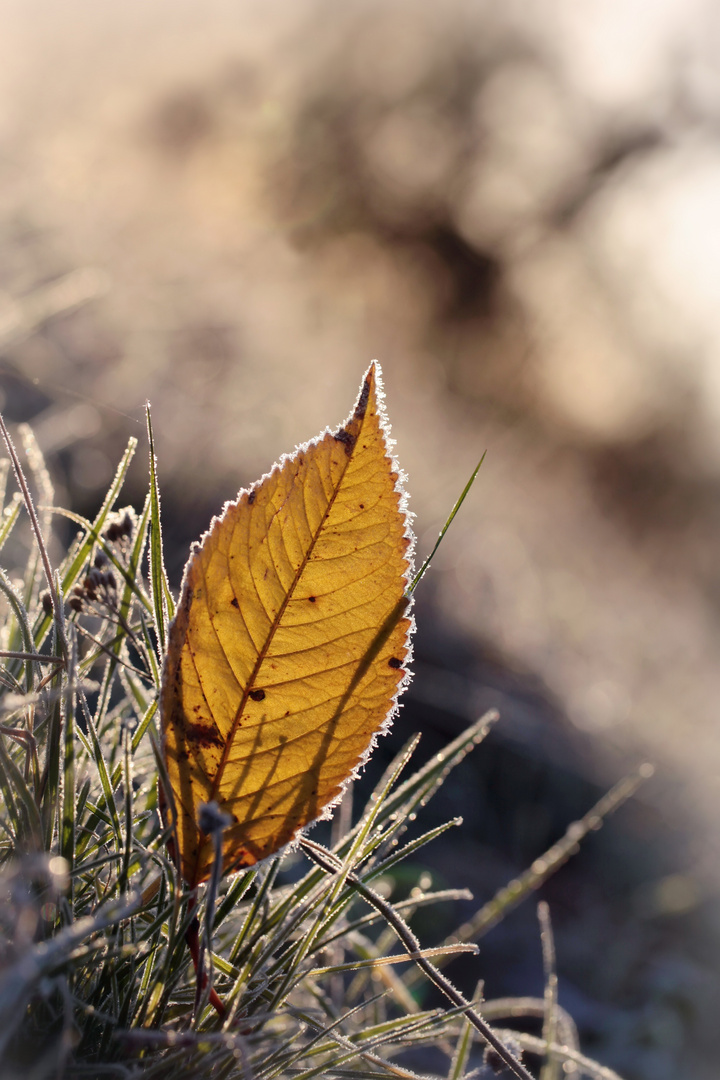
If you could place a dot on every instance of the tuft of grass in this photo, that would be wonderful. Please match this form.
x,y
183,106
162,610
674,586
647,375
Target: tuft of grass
x,y
319,973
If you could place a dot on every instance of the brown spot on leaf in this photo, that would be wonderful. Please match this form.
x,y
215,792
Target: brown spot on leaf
x,y
363,400
312,599
234,602
203,735
257,695
394,662
346,439
251,497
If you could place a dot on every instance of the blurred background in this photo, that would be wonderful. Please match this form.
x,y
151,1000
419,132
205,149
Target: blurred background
x,y
230,208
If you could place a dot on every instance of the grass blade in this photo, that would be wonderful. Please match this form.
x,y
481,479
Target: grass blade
x,y
408,939
67,834
159,587
82,549
463,495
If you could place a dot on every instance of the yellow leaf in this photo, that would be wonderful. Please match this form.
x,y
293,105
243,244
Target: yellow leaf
x,y
289,643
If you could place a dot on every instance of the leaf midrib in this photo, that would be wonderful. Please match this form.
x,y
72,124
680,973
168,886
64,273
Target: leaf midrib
x,y
217,781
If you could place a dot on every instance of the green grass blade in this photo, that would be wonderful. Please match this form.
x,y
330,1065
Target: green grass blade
x,y
144,725
409,849
412,903
516,891
233,896
19,802
94,538
128,800
50,803
374,962
82,549
551,1066
283,1060
463,1046
23,627
10,515
352,856
463,495
159,588
94,747
69,812
151,656
420,787
4,474
255,908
